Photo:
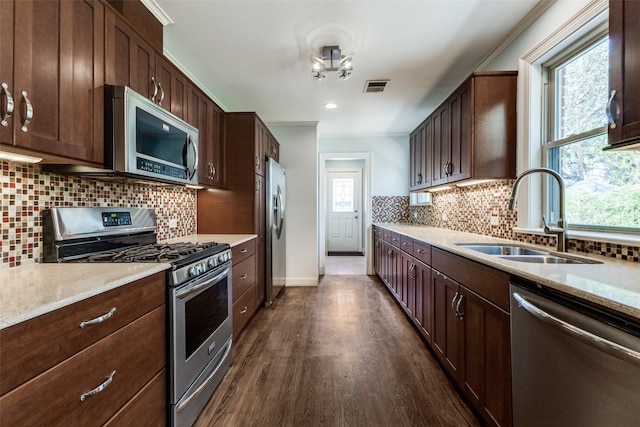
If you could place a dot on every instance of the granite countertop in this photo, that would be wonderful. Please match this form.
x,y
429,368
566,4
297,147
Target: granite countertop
x,y
31,290
614,284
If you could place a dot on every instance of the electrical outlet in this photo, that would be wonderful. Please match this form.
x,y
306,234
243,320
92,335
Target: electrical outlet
x,y
173,223
495,220
415,215
444,217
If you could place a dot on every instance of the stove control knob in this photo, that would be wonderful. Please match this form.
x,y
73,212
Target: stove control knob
x,y
212,262
193,272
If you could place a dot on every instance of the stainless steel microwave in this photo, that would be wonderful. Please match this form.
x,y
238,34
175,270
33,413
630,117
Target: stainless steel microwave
x,y
142,142
148,140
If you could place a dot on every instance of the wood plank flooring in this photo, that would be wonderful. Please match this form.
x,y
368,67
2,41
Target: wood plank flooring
x,y
341,354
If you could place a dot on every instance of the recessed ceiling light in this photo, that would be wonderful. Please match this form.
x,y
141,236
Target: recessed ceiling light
x,y
330,105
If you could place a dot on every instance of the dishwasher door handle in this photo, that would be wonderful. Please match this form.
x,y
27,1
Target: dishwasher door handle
x,y
614,349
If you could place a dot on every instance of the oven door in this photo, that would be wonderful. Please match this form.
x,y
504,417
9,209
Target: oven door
x,y
200,327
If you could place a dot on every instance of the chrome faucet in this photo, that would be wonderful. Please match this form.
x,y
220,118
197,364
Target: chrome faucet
x,y
561,229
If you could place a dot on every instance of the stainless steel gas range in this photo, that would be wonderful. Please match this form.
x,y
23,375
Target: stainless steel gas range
x,y
198,291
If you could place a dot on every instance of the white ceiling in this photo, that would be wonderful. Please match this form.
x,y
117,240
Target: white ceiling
x,y
254,55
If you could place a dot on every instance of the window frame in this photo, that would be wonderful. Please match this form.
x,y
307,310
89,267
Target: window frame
x,y
550,119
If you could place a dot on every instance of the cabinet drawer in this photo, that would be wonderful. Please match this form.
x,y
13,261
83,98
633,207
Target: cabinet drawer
x,y
243,309
244,275
487,282
422,251
406,244
243,251
148,408
136,353
386,235
31,347
395,239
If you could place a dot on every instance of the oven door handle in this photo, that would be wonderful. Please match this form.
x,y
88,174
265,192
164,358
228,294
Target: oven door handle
x,y
183,293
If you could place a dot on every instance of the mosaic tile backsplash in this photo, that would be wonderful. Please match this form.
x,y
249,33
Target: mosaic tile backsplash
x,y
470,209
26,191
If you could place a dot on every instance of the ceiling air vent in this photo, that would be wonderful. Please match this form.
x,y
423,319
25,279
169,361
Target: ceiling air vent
x,y
375,86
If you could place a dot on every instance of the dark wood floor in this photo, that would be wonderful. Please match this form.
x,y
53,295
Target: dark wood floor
x,y
341,354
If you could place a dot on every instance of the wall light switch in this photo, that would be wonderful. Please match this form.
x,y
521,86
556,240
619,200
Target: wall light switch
x,y
495,220
444,217
173,223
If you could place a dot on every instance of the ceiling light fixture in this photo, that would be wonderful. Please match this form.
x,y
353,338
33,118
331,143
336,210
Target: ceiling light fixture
x,y
330,105
332,60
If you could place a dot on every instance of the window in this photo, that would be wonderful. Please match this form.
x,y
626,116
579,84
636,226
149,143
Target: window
x,y
602,188
343,195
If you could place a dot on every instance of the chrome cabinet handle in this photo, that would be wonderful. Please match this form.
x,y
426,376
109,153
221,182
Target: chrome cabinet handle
x,y
161,94
243,311
453,303
98,319
422,251
29,116
419,178
155,89
98,389
610,118
10,105
244,276
244,251
458,312
212,171
406,244
609,347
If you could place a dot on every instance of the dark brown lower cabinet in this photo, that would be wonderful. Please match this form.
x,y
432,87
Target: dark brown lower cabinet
x,y
461,309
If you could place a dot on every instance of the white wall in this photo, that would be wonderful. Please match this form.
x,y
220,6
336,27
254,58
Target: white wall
x,y
389,160
299,156
549,22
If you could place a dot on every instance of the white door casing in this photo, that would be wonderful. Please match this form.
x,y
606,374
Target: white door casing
x,y
344,211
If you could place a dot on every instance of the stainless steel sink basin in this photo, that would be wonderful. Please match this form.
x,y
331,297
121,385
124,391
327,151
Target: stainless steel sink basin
x,y
548,259
498,249
524,254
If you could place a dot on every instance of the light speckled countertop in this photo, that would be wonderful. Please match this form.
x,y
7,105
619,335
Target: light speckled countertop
x,y
31,290
614,283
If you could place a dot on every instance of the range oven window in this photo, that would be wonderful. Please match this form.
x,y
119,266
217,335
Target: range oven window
x,y
159,140
204,313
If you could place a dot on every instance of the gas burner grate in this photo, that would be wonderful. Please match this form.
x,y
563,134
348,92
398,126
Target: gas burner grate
x,y
153,253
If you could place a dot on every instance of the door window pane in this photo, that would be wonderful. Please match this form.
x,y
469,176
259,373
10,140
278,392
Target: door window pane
x,y
342,195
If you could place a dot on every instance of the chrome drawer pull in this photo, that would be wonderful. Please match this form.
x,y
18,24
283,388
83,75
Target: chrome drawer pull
x,y
244,251
98,319
10,105
98,389
406,244
244,276
243,311
422,251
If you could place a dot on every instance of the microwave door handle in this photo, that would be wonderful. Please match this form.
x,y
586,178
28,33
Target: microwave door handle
x,y
191,169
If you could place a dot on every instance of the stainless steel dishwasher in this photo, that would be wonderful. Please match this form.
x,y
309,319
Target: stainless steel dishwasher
x,y
572,364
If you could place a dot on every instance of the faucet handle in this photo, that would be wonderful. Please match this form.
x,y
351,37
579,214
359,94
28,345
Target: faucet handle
x,y
550,229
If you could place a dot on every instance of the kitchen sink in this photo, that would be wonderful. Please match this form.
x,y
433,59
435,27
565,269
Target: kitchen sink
x,y
501,249
524,254
548,259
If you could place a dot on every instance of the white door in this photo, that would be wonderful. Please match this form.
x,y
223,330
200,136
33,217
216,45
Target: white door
x,y
344,219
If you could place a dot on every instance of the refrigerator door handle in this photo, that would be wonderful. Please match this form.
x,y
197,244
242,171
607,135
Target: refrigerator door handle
x,y
278,213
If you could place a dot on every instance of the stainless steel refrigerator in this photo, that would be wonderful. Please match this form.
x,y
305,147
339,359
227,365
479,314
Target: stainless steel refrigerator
x,y
275,261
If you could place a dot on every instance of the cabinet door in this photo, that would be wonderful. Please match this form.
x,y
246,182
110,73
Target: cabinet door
x,y
446,336
441,145
130,61
58,77
624,67
415,157
200,116
426,147
261,135
172,87
459,166
486,368
8,91
423,314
